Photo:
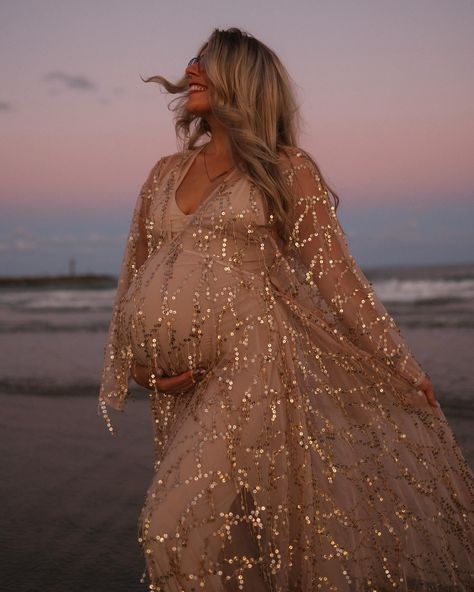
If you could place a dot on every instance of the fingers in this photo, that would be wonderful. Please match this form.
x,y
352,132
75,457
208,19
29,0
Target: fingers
x,y
145,377
431,398
426,388
180,382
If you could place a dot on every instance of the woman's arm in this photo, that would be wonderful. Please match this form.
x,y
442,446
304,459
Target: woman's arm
x,y
115,369
319,240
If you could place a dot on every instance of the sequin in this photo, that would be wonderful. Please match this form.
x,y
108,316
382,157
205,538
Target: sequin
x,y
306,458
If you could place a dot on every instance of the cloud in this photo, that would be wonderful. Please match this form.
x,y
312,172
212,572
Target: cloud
x,y
71,81
5,106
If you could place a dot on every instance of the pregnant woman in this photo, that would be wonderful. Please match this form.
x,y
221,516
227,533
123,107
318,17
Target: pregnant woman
x,y
299,445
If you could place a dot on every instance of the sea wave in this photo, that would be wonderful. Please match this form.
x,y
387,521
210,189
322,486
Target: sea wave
x,y
57,300
389,290
425,290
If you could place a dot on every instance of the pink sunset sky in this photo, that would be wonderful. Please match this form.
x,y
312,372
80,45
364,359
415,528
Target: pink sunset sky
x,y
386,91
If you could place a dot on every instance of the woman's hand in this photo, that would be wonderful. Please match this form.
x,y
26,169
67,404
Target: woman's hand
x,y
167,384
427,388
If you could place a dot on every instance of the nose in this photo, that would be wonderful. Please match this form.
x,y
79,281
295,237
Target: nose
x,y
192,69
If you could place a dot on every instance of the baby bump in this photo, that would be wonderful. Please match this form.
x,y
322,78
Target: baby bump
x,y
169,314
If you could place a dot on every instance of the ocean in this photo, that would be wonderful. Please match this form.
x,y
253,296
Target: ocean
x,y
52,338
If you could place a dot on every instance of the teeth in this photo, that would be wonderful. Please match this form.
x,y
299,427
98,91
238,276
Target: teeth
x,y
197,87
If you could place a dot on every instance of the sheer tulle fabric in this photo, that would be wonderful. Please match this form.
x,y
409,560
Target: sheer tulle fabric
x,y
306,459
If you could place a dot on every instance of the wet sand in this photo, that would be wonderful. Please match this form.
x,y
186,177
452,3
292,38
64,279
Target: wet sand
x,y
71,493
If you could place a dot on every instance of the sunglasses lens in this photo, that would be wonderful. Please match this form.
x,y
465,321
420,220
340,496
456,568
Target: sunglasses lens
x,y
199,60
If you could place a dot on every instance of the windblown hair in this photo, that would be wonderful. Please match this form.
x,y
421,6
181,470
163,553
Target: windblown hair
x,y
251,95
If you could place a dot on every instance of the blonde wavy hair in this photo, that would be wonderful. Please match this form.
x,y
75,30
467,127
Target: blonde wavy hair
x,y
252,96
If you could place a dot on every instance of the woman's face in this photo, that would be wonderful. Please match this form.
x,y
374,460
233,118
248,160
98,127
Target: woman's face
x,y
198,99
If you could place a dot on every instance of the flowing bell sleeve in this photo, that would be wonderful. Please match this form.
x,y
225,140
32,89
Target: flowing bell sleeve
x,y
117,350
319,242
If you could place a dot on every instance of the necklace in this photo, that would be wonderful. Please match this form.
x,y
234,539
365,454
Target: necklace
x,y
207,172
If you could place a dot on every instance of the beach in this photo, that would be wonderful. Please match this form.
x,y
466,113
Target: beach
x,y
71,492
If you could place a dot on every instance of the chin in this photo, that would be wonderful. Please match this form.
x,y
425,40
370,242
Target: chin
x,y
197,108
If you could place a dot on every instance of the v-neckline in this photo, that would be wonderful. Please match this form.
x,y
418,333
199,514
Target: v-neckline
x,y
180,179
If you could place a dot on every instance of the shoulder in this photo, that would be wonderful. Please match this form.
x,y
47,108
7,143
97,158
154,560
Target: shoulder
x,y
294,160
294,156
169,161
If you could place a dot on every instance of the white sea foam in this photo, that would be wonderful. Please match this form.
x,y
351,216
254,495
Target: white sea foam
x,y
390,290
397,290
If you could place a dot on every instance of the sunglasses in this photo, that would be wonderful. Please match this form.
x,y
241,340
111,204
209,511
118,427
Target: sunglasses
x,y
200,61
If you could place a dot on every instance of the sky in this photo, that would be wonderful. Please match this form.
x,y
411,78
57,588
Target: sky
x,y
385,88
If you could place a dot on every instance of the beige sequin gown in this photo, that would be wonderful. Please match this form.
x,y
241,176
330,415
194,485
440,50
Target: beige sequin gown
x,y
306,459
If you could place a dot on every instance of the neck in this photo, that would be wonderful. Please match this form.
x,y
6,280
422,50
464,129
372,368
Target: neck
x,y
219,144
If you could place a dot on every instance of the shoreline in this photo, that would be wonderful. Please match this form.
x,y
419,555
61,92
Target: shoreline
x,y
459,412
460,408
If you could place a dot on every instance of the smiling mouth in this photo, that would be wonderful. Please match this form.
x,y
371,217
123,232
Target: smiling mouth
x,y
193,88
